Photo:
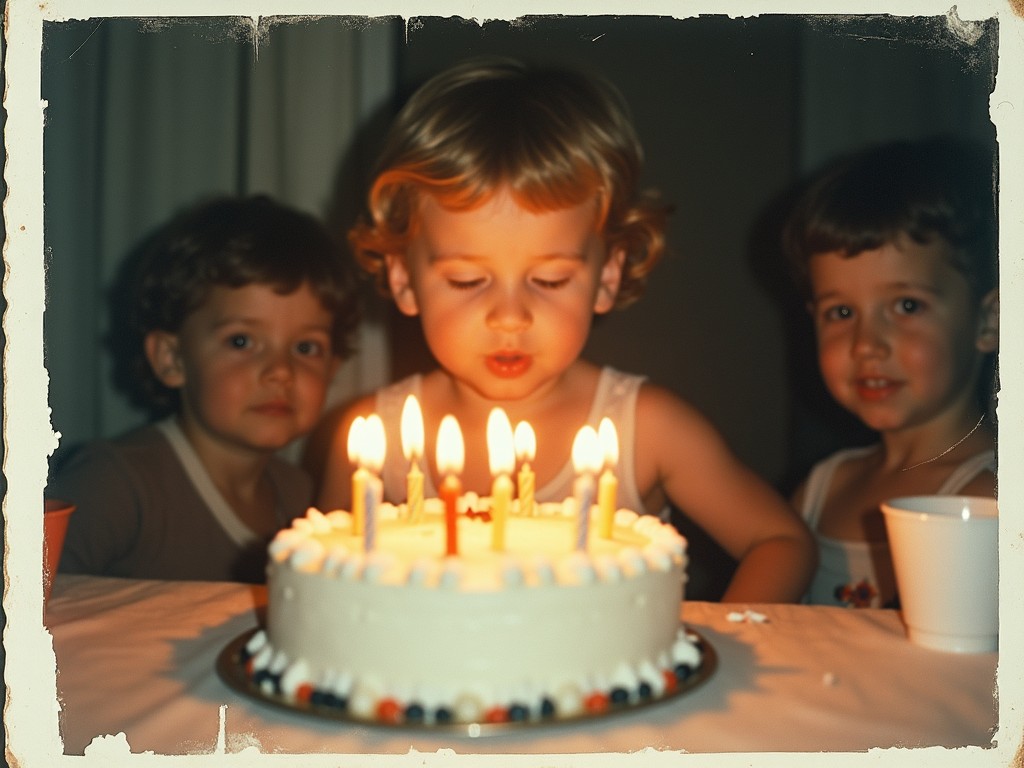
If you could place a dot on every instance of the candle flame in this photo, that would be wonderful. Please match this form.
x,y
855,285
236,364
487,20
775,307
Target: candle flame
x,y
500,442
451,452
412,428
526,441
609,440
355,440
374,443
586,451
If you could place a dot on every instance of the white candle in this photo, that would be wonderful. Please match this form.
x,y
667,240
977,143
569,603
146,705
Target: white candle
x,y
374,449
359,476
501,454
586,459
608,485
526,448
412,448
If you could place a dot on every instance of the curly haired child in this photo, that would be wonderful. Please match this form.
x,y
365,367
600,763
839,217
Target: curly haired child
x,y
242,311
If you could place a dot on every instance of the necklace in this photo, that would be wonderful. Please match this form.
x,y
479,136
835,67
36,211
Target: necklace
x,y
954,445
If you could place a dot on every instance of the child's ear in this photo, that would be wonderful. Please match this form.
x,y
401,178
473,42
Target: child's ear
x,y
162,352
609,281
401,285
988,323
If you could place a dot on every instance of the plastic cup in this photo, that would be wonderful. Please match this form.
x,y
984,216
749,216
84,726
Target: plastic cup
x,y
944,551
55,526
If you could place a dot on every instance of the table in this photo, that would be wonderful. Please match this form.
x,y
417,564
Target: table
x,y
138,657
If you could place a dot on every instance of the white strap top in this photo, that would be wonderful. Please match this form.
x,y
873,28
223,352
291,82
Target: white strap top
x,y
859,573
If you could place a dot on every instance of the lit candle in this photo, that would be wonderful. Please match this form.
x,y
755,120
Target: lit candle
x,y
586,459
502,456
451,456
608,485
359,477
412,447
374,448
526,448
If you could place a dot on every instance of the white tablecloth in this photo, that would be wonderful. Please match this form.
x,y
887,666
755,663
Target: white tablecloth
x,y
139,657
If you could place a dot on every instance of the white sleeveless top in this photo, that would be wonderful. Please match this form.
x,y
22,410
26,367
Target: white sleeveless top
x,y
615,398
859,574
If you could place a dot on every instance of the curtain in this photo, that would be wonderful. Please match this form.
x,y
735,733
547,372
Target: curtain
x,y
144,117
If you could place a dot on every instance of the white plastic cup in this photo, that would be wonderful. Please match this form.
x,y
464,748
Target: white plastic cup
x,y
945,551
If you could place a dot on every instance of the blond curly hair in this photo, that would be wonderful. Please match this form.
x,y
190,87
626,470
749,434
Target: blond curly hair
x,y
554,137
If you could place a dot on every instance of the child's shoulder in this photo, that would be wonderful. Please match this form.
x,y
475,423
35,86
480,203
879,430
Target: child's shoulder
x,y
664,418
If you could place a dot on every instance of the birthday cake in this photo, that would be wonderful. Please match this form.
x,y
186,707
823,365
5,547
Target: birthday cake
x,y
546,627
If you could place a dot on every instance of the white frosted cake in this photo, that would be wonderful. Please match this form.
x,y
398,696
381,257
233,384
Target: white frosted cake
x,y
406,634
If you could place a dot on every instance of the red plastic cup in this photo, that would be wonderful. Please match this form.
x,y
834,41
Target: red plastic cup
x,y
55,526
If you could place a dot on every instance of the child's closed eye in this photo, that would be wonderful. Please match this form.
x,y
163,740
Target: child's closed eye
x,y
550,282
465,284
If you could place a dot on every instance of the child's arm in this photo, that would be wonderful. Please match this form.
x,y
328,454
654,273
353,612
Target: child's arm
x,y
680,451
335,487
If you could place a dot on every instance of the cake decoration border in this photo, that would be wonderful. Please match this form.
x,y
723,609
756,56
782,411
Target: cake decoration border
x,y
232,667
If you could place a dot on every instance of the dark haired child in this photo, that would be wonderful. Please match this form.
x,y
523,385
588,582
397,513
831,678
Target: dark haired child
x,y
242,311
895,249
505,213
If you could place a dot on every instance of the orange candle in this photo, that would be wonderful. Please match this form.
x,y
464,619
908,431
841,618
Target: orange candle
x,y
451,457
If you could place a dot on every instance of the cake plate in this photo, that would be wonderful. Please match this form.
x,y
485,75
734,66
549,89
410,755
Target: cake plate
x,y
231,669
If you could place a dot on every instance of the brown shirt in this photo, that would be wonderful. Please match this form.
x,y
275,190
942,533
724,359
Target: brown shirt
x,y
140,516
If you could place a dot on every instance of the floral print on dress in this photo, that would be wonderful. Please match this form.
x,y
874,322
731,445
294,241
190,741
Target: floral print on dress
x,y
858,595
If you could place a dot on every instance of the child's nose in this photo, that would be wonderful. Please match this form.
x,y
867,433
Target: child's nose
x,y
278,365
870,338
509,312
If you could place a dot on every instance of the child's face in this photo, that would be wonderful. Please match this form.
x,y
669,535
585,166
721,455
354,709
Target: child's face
x,y
252,365
900,337
506,296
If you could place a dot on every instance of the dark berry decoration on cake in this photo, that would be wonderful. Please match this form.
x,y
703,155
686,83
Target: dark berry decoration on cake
x,y
683,672
262,676
547,707
619,697
414,713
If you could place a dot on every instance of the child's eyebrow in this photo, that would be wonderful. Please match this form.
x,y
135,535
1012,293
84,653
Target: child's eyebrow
x,y
894,286
436,257
245,320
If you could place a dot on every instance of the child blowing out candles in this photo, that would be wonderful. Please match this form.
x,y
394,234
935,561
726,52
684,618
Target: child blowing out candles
x,y
505,214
